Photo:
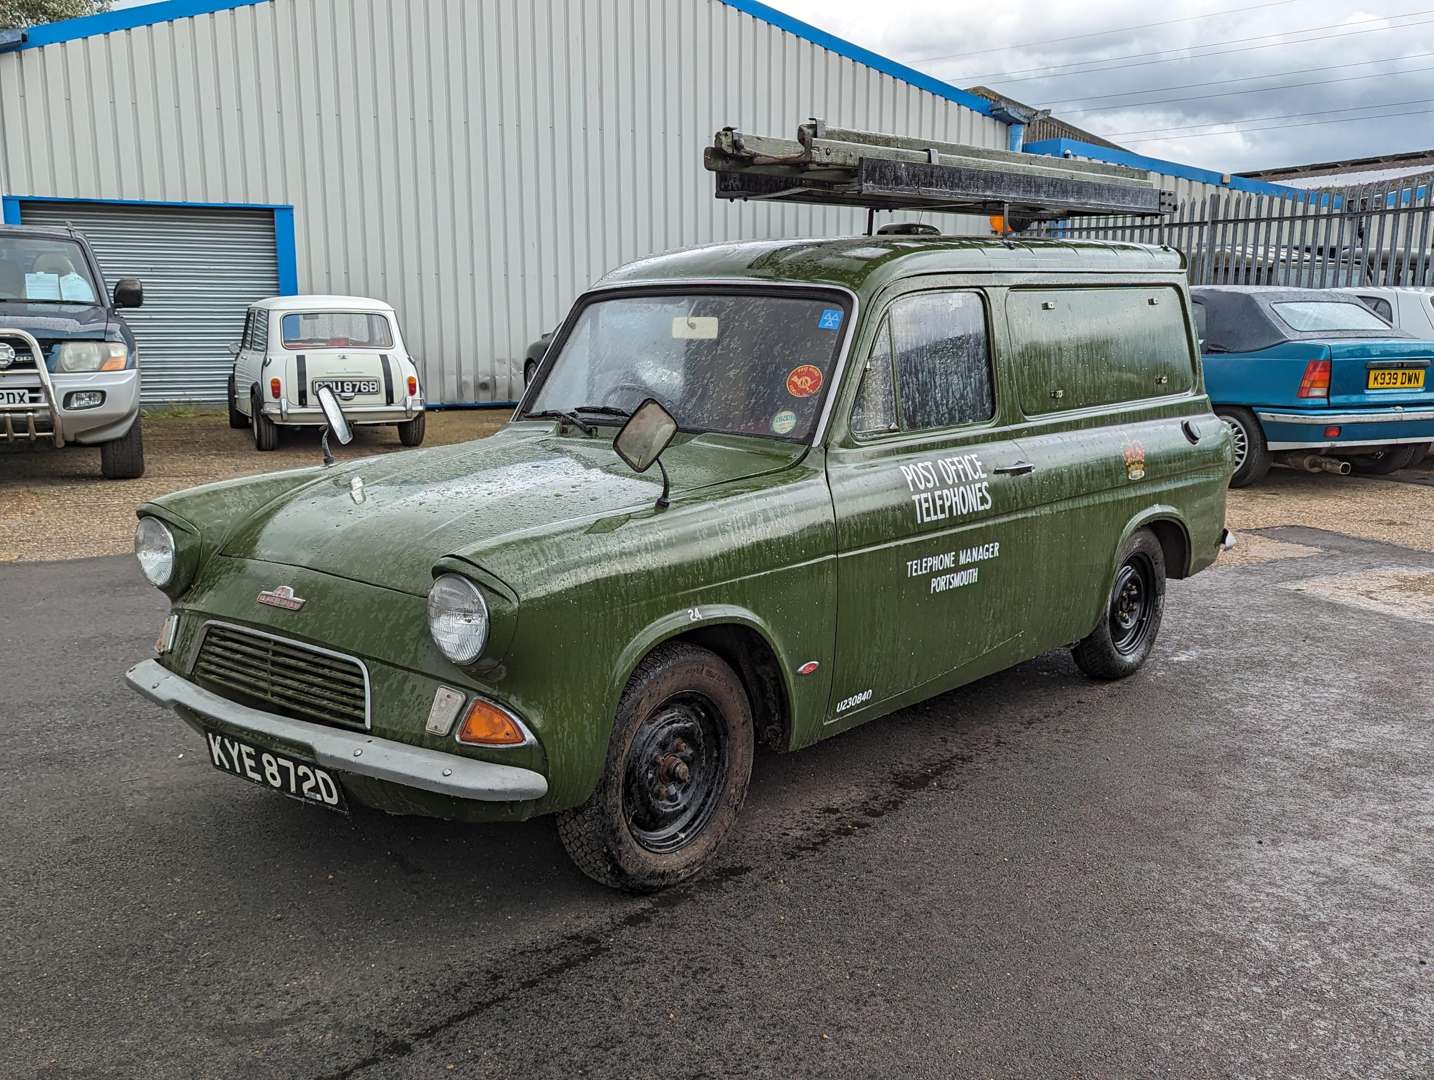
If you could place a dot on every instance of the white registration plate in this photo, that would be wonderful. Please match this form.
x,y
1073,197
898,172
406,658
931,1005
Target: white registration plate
x,y
14,397
297,779
347,387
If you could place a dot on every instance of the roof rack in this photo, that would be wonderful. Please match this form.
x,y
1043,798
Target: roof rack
x,y
841,167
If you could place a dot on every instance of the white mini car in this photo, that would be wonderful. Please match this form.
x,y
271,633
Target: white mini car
x,y
1409,308
292,345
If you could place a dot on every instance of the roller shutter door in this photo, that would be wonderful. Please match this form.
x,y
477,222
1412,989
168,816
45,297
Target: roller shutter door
x,y
201,269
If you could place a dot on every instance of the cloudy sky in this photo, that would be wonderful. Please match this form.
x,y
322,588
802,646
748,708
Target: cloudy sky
x,y
1218,83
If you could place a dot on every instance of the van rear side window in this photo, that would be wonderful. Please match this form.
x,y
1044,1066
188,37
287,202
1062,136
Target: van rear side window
x,y
1081,348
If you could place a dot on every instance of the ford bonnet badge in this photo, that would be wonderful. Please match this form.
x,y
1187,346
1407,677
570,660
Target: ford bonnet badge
x,y
282,597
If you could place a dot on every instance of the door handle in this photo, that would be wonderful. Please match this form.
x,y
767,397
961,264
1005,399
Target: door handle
x,y
1015,468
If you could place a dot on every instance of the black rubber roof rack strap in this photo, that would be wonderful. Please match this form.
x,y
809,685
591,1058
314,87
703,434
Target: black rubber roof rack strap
x,y
839,167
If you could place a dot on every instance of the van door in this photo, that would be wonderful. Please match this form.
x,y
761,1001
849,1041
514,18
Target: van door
x,y
928,490
251,356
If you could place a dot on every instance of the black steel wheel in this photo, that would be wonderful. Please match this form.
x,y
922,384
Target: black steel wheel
x,y
1126,632
678,763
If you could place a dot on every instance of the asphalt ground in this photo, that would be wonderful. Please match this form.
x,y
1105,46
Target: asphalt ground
x,y
1220,867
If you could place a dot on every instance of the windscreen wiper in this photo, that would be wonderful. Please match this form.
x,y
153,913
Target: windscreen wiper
x,y
566,417
603,410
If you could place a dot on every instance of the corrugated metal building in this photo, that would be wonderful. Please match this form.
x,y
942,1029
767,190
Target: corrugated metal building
x,y
476,163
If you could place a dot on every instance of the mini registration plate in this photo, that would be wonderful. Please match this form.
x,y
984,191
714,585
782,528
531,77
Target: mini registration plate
x,y
1389,378
347,387
297,779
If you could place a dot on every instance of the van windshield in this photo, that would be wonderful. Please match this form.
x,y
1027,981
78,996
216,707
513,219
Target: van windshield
x,y
336,330
741,363
1327,315
39,269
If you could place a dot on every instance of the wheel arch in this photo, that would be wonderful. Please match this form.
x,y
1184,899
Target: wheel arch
x,y
1169,527
741,639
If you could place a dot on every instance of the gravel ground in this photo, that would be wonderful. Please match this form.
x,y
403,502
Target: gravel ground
x,y
55,505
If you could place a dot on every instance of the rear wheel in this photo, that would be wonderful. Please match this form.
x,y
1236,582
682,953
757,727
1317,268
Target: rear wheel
x,y
123,458
411,432
1252,457
237,420
1118,646
266,432
1421,451
1385,462
678,763
529,369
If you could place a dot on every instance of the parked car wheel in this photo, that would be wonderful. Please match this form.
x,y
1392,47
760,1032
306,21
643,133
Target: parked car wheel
x,y
123,458
1118,646
237,420
1252,458
411,432
529,369
1389,461
266,432
1421,451
678,763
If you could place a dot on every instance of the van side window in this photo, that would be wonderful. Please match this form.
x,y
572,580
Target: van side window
x,y
942,359
261,330
1100,345
875,409
247,336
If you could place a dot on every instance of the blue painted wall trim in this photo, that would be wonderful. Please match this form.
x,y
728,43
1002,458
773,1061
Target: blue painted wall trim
x,y
285,248
1058,148
124,19
842,47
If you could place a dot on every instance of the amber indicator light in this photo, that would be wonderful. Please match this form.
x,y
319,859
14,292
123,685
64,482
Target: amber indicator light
x,y
487,725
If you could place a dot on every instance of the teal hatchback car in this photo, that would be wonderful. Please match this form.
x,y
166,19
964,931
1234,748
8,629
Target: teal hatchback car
x,y
1313,379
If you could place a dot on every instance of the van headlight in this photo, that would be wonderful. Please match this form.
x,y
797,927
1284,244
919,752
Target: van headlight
x,y
78,356
154,547
457,618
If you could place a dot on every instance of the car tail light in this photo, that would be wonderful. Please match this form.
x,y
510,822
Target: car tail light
x,y
412,386
1316,379
274,389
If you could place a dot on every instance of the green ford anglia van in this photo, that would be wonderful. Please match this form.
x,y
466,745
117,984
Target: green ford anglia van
x,y
884,467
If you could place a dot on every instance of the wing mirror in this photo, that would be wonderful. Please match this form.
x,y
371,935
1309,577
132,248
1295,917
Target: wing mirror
x,y
334,420
129,292
644,437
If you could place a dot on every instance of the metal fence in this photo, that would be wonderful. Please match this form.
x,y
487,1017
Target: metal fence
x,y
1321,239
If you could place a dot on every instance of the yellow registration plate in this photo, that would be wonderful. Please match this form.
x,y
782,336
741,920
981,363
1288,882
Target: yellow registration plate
x,y
1388,378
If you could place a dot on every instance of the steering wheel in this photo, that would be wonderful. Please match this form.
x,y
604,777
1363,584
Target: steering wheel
x,y
626,389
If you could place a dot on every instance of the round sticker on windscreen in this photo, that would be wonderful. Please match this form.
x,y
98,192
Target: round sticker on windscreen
x,y
784,422
804,381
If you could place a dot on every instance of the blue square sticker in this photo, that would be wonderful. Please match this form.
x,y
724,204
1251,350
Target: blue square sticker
x,y
830,320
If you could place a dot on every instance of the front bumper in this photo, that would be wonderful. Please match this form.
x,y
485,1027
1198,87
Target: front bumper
x,y
353,752
1291,430
284,411
44,413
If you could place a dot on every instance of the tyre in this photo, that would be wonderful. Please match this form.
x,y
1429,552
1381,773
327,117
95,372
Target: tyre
x,y
1252,457
1421,451
266,432
411,432
678,763
1389,461
237,420
123,458
529,369
1126,633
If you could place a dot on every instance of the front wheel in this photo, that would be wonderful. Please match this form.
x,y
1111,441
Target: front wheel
x,y
1252,457
411,432
266,432
1118,646
123,458
237,420
678,763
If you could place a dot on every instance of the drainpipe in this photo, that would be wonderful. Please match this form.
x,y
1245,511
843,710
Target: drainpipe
x,y
1016,117
1015,137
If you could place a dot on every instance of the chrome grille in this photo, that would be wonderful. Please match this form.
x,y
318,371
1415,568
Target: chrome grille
x,y
287,677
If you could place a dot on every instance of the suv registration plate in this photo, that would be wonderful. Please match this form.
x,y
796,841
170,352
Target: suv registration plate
x,y
347,387
296,779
